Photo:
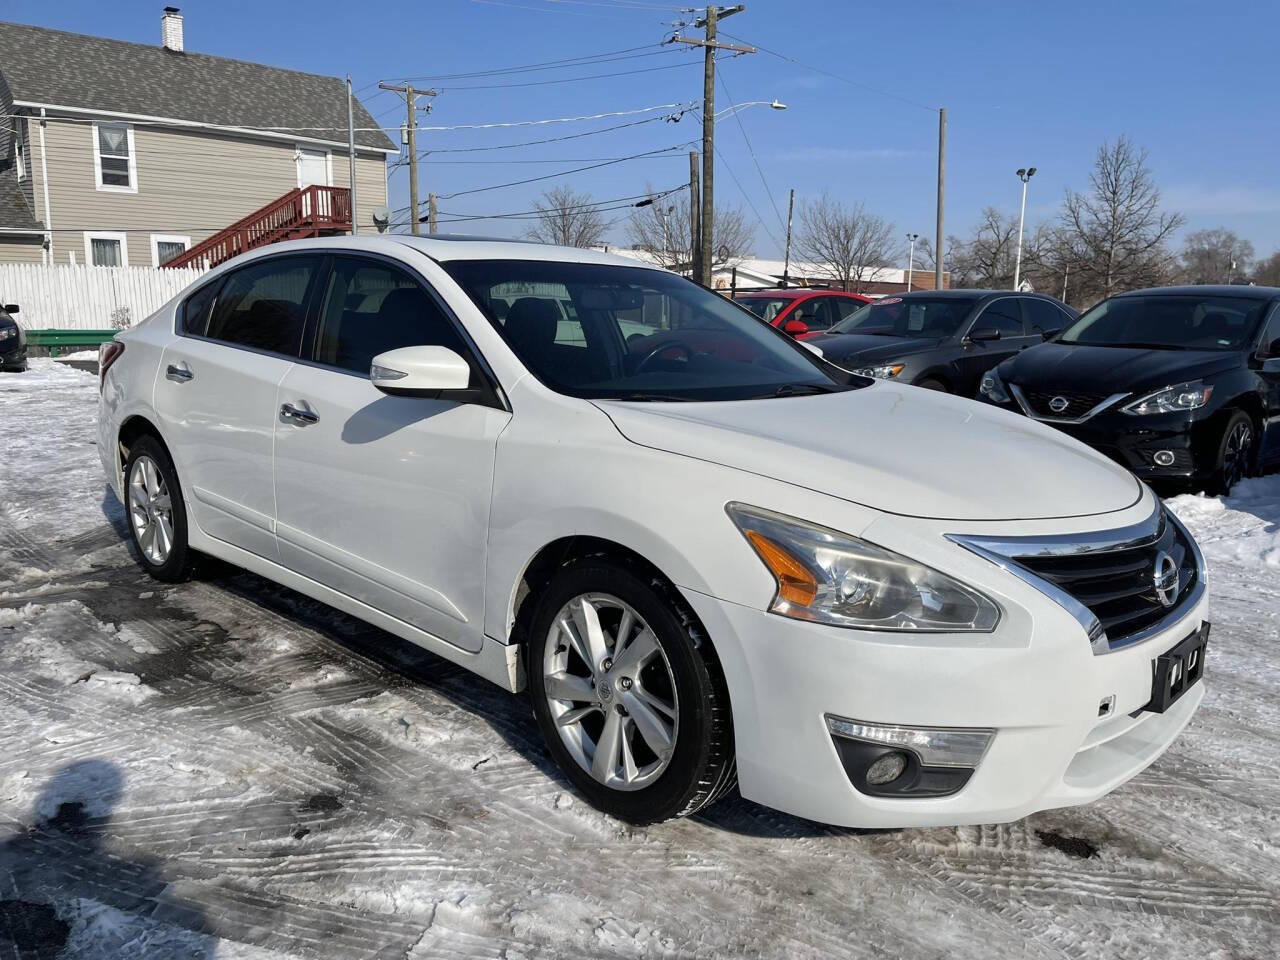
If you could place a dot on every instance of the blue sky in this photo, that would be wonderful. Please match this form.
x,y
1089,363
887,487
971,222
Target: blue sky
x,y
1024,83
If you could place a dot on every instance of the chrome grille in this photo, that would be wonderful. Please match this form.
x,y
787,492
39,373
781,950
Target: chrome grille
x,y
1077,404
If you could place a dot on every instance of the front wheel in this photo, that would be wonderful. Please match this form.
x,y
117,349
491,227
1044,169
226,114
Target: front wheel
x,y
628,694
929,383
1235,453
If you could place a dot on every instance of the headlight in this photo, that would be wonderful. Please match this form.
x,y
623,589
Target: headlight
x,y
883,371
993,388
830,577
7,332
1175,399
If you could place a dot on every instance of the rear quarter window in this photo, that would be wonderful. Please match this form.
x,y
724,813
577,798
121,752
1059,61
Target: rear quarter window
x,y
193,317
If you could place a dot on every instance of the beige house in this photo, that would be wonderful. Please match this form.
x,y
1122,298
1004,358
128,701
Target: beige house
x,y
116,153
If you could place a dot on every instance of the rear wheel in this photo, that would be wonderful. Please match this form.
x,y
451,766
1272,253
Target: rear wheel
x,y
628,693
929,383
157,516
1235,453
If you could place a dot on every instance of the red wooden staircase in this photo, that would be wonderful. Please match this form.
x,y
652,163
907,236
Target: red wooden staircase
x,y
313,211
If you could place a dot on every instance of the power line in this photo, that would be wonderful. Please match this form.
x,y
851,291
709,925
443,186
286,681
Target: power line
x,y
738,117
836,76
538,123
528,160
601,206
627,53
746,196
574,13
451,88
571,136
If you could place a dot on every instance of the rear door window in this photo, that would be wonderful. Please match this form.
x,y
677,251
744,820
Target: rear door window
x,y
263,306
1044,316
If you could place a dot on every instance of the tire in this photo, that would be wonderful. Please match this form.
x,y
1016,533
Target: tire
x,y
153,502
931,384
1236,451
679,673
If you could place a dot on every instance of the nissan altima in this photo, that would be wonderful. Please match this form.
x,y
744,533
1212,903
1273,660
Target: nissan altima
x,y
709,556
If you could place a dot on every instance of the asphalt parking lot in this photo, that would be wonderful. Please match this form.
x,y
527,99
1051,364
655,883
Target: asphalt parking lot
x,y
227,769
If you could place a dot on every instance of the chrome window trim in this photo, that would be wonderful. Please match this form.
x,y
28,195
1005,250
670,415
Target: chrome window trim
x,y
1005,551
1026,407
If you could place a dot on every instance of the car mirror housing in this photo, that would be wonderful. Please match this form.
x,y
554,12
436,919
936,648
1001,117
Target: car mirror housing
x,y
984,333
419,371
1050,334
1271,365
795,327
10,308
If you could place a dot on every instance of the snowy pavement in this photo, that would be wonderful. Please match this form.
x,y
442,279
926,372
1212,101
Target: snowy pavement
x,y
227,769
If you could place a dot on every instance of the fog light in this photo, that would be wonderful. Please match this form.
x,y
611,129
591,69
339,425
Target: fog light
x,y
887,769
935,746
1163,458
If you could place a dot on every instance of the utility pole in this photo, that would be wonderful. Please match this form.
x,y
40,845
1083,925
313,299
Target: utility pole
x,y
351,156
695,219
1024,174
911,258
786,259
410,98
1066,272
942,179
708,23
431,213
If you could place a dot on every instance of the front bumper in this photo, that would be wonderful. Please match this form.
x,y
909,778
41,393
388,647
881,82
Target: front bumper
x,y
12,353
1035,681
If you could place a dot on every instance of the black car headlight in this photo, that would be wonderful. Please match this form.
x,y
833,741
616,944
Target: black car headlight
x,y
1179,398
7,333
881,371
993,388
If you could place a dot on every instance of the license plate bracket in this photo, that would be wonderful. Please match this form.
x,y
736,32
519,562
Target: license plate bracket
x,y
1178,670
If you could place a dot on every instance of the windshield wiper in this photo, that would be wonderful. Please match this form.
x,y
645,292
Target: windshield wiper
x,y
650,398
1136,345
796,389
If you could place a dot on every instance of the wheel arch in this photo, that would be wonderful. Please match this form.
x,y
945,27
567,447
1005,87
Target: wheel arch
x,y
132,428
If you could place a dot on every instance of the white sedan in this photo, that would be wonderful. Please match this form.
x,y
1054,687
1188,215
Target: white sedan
x,y
708,554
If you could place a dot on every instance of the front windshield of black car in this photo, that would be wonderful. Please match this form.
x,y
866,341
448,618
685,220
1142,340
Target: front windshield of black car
x,y
908,317
631,333
766,308
1169,321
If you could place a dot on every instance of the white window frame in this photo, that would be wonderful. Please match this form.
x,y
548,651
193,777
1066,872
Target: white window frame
x,y
90,236
159,238
20,153
97,160
297,162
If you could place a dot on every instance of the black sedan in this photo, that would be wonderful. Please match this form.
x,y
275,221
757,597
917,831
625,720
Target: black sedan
x,y
1180,384
943,340
13,341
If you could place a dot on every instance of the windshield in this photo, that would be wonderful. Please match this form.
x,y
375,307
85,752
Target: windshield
x,y
603,331
1170,322
917,317
766,308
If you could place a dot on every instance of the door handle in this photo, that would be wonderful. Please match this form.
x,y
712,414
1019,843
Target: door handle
x,y
180,373
304,417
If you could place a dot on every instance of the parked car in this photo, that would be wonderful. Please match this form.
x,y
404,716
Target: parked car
x,y
13,340
942,340
802,313
697,578
1179,384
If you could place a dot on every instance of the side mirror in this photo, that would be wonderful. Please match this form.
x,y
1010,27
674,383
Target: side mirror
x,y
10,308
983,334
1271,365
795,327
1271,350
419,371
1050,334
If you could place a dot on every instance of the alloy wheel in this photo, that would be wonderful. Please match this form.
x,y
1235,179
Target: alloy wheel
x,y
610,691
150,510
1235,454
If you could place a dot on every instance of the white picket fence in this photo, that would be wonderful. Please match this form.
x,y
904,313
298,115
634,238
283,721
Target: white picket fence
x,y
80,297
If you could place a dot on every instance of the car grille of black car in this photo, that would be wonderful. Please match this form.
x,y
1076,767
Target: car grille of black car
x,y
1078,404
1119,585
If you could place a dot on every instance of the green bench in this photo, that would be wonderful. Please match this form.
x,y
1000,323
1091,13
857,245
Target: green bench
x,y
57,341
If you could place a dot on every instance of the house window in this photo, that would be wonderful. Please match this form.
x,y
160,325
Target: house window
x,y
21,151
106,249
164,247
113,156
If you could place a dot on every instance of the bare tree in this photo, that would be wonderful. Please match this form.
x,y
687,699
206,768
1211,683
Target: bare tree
x,y
567,218
986,259
843,242
1215,256
1116,236
1267,272
662,229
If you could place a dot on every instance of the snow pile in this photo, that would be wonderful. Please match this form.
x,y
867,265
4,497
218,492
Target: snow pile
x,y
1242,528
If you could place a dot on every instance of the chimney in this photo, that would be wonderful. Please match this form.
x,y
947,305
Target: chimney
x,y
171,29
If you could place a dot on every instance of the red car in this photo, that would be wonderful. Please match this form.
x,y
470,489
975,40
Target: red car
x,y
801,313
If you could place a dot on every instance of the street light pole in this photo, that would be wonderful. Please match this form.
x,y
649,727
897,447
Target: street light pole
x,y
1024,175
911,258
786,259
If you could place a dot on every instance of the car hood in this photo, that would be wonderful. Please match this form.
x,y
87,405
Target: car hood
x,y
895,448
866,348
1084,369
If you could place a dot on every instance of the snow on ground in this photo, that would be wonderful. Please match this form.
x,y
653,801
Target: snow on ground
x,y
227,769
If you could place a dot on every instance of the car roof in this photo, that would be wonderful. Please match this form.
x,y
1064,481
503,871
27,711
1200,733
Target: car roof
x,y
793,292
1208,290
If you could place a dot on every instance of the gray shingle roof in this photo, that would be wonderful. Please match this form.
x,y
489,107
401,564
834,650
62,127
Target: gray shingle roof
x,y
95,73
15,213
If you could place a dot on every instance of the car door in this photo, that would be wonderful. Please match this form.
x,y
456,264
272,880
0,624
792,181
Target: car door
x,y
215,396
1005,315
1268,358
382,498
